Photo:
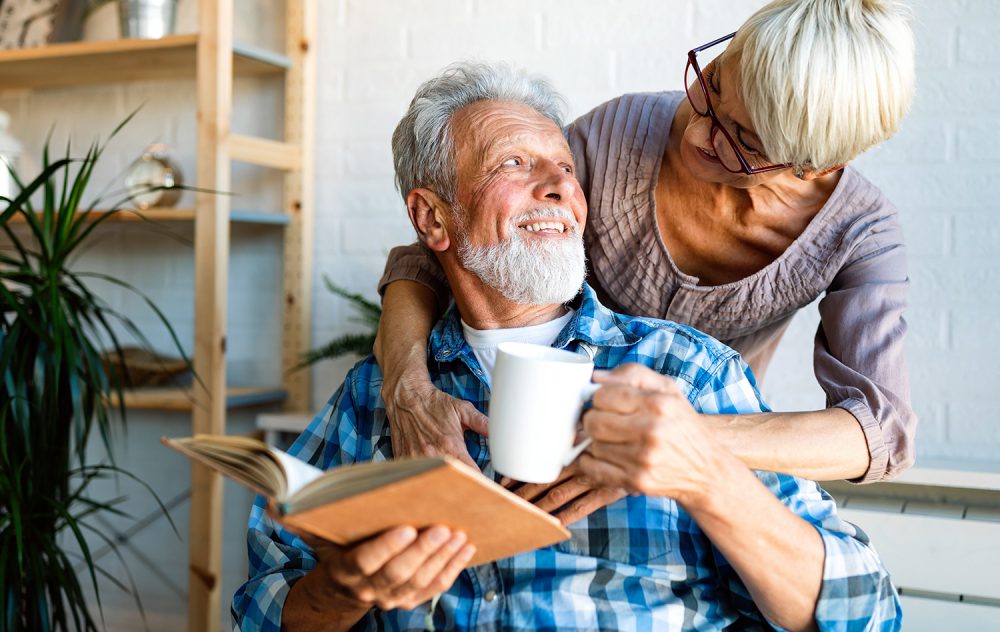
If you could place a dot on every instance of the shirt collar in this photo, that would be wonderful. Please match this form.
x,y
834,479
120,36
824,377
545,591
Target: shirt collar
x,y
592,323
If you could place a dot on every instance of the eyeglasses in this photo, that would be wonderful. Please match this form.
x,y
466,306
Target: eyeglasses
x,y
728,152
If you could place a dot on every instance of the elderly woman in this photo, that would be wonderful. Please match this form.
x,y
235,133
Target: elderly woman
x,y
728,208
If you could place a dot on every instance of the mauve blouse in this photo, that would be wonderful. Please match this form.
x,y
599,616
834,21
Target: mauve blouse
x,y
852,252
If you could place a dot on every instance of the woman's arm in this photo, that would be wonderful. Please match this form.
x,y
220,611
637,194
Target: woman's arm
x,y
867,432
423,420
821,445
647,441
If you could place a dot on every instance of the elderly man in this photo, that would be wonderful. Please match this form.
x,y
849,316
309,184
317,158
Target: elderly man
x,y
702,542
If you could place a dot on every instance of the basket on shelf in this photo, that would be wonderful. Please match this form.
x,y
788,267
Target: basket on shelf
x,y
144,367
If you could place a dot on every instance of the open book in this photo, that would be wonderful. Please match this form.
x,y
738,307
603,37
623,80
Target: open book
x,y
350,503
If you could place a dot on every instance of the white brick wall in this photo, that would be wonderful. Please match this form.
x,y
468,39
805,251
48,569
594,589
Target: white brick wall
x,y
941,170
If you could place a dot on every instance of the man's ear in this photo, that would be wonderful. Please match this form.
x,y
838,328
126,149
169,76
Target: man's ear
x,y
809,174
428,214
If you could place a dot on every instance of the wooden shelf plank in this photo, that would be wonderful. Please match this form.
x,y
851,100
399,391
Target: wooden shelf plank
x,y
183,215
265,152
89,63
183,400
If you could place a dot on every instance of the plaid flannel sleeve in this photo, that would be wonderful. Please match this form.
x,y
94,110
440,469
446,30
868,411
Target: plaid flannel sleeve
x,y
856,593
279,558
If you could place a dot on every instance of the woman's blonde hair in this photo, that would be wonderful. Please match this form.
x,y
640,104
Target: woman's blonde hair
x,y
825,80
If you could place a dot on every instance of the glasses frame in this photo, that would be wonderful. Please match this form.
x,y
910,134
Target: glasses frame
x,y
717,125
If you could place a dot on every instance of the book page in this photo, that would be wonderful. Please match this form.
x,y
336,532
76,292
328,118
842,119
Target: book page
x,y
298,473
348,480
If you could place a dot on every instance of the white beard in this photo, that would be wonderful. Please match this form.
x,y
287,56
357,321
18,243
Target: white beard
x,y
529,272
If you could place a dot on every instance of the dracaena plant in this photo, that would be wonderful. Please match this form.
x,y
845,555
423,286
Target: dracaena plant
x,y
56,396
366,312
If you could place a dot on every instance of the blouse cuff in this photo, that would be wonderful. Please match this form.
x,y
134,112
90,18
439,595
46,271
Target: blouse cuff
x,y
878,453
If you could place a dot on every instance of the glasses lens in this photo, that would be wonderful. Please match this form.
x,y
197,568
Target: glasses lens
x,y
727,151
695,92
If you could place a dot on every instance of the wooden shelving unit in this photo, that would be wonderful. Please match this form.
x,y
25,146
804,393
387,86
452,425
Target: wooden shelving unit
x,y
186,400
94,63
211,59
181,215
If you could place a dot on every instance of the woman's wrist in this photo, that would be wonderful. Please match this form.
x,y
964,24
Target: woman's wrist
x,y
405,375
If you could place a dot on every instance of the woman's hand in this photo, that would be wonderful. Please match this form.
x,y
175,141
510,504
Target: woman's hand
x,y
424,421
646,437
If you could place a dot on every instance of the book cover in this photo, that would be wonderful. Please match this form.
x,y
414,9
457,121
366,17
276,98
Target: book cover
x,y
351,503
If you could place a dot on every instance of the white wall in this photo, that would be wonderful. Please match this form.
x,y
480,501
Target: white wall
x,y
941,171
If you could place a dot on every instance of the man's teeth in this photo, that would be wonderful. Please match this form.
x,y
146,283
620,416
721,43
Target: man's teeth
x,y
549,227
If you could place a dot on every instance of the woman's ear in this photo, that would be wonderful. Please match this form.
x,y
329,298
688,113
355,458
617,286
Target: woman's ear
x,y
427,214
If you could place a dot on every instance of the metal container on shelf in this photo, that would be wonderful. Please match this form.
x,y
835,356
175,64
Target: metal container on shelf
x,y
147,19
10,152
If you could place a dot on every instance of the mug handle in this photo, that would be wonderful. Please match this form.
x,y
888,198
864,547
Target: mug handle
x,y
588,392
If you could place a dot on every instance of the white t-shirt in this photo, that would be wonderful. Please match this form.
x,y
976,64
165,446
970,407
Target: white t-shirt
x,y
484,341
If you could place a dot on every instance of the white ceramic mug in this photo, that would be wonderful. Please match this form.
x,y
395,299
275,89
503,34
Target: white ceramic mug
x,y
537,396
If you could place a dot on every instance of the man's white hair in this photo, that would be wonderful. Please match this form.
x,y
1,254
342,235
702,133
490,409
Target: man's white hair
x,y
825,80
423,149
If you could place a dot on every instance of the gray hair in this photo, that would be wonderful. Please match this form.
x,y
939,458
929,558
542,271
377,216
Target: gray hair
x,y
423,148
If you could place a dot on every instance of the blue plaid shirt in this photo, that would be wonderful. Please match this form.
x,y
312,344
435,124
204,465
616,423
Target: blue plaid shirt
x,y
641,563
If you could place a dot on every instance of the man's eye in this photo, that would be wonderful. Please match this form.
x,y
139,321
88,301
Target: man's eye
x,y
568,169
512,162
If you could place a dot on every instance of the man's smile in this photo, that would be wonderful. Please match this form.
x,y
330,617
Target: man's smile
x,y
544,227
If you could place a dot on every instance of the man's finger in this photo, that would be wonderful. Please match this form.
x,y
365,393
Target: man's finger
x,y
372,555
532,491
433,566
618,398
623,455
601,472
612,427
400,568
560,495
589,503
447,576
634,375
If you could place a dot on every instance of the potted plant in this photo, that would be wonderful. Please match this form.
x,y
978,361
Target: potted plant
x,y
361,344
56,395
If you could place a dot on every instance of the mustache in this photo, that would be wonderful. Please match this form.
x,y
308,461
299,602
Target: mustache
x,y
547,212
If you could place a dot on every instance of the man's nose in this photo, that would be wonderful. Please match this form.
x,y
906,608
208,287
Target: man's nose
x,y
554,182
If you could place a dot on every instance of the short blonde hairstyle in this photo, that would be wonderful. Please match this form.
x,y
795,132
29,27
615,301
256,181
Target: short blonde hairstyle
x,y
825,80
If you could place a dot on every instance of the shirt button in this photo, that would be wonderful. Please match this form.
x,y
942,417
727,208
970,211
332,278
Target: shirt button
x,y
490,595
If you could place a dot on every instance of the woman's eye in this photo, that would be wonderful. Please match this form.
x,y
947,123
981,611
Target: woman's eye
x,y
752,150
712,79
